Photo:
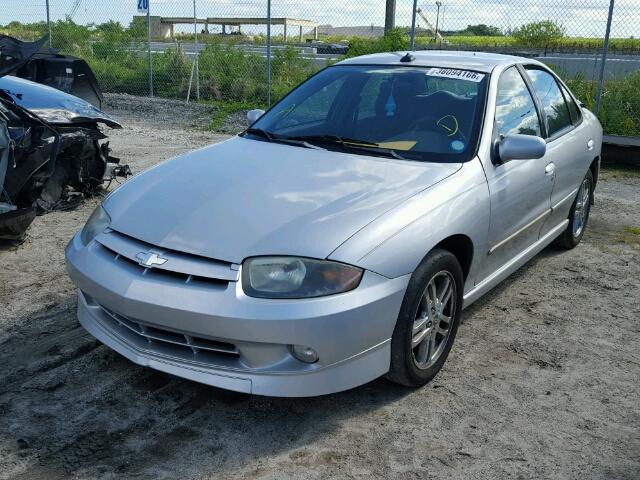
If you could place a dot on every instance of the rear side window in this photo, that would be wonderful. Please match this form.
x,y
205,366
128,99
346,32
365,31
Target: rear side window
x,y
555,109
515,110
574,109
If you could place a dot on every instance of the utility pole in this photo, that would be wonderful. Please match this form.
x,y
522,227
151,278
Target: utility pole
x,y
413,25
605,50
435,34
390,15
149,50
49,23
269,53
197,52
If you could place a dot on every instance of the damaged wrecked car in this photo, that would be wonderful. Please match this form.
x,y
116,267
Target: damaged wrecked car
x,y
51,143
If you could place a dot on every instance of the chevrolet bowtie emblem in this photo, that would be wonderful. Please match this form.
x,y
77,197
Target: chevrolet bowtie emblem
x,y
150,259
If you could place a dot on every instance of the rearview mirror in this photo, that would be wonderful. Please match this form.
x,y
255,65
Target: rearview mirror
x,y
253,115
521,147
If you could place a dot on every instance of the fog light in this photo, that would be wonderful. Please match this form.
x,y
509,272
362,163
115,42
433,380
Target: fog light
x,y
304,354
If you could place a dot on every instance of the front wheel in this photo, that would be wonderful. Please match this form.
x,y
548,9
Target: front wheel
x,y
578,215
428,320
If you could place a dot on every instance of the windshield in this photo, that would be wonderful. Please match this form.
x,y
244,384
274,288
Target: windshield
x,y
414,113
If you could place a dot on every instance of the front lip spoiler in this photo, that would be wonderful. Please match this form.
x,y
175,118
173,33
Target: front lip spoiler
x,y
343,375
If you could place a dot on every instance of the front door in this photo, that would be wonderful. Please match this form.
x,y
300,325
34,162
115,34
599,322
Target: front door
x,y
520,190
568,141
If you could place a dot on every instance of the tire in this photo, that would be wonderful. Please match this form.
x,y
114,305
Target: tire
x,y
578,215
410,364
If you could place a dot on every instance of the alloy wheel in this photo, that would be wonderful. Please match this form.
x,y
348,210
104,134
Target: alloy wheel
x,y
581,212
433,321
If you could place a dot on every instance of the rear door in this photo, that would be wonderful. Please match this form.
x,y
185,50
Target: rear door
x,y
568,146
520,190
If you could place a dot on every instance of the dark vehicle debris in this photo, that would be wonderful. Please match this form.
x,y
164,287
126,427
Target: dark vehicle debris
x,y
50,142
32,61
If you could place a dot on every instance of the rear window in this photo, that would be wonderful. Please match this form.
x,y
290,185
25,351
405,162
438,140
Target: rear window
x,y
574,109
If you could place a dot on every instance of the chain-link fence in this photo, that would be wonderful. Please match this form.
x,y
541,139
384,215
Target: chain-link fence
x,y
247,53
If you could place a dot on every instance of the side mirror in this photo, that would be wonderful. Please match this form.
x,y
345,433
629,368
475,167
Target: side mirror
x,y
253,115
521,147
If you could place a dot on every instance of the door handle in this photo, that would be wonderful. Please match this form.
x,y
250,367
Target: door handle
x,y
590,144
550,168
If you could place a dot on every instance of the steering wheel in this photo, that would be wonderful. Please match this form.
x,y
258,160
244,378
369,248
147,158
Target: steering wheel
x,y
447,125
451,126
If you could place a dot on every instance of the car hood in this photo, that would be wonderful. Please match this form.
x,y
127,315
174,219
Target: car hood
x,y
244,197
52,105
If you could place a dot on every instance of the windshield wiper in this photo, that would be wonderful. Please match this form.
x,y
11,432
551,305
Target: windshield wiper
x,y
274,139
350,144
347,142
260,133
382,150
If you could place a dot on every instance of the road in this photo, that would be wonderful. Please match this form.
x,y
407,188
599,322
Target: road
x,y
569,64
308,53
588,65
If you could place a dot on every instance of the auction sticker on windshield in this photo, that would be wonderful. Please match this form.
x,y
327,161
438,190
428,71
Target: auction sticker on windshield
x,y
455,73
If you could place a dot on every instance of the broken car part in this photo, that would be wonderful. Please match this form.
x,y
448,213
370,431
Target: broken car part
x,y
49,141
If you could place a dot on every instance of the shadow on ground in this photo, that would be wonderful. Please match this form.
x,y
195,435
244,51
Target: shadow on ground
x,y
76,406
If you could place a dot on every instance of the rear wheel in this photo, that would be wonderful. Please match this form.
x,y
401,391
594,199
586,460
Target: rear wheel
x,y
578,215
428,320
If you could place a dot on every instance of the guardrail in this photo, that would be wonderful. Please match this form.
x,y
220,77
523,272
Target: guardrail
x,y
618,150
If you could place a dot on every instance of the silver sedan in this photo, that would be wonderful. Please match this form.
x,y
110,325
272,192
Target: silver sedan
x,y
340,236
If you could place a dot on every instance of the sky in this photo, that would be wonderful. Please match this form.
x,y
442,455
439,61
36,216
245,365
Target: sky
x,y
585,18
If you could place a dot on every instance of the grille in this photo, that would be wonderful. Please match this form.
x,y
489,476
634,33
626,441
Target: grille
x,y
167,342
179,267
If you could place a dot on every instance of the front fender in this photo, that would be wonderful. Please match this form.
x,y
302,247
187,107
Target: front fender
x,y
396,243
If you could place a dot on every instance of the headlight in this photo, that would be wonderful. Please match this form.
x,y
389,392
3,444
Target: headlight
x,y
97,223
293,277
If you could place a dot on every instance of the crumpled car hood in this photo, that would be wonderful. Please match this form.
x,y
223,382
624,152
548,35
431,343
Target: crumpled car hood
x,y
52,105
244,197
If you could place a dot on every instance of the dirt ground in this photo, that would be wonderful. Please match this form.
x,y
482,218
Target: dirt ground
x,y
543,381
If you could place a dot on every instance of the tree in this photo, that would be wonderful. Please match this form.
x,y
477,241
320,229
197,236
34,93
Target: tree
x,y
393,41
482,30
540,34
111,31
138,27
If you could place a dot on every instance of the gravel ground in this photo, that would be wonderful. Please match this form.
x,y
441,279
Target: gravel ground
x,y
543,381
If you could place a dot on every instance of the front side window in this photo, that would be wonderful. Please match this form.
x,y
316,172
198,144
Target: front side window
x,y
412,113
556,113
311,109
515,110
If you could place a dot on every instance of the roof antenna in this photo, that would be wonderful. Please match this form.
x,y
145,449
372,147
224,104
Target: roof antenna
x,y
408,58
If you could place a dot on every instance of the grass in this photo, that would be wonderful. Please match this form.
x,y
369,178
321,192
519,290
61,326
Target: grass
x,y
615,44
225,109
620,104
619,173
630,236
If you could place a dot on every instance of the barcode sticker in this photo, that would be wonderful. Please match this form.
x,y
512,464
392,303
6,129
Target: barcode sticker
x,y
455,73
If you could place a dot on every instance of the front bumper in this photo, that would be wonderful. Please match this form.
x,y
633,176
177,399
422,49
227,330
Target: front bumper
x,y
351,332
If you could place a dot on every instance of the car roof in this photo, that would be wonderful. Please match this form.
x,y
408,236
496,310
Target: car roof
x,y
479,61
